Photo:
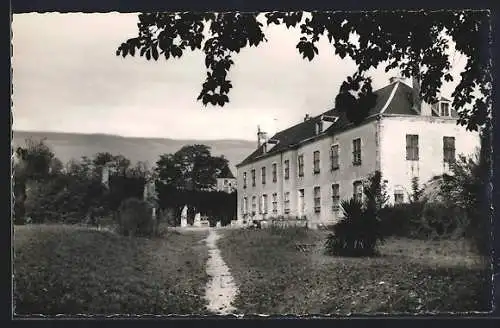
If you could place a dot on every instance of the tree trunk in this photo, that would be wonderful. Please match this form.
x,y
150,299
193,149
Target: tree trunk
x,y
482,223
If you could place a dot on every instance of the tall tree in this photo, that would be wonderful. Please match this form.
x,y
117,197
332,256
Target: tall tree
x,y
33,163
190,168
34,160
415,42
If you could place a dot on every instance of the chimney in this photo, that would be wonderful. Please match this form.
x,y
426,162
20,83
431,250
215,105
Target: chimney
x,y
418,104
307,117
258,136
417,101
261,138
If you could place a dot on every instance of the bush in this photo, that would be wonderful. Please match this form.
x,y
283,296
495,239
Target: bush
x,y
356,234
423,220
402,220
135,218
63,199
467,190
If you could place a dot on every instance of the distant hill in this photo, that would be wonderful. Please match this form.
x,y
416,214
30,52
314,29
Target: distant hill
x,y
69,146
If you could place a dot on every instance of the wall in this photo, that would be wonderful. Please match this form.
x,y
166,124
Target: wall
x,y
269,188
431,130
345,176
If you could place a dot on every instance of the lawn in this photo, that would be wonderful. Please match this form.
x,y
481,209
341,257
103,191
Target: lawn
x,y
76,270
274,276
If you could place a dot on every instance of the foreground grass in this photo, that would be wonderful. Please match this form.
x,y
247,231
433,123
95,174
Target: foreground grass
x,y
275,277
74,270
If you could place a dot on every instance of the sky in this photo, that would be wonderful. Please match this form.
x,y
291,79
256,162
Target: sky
x,y
67,78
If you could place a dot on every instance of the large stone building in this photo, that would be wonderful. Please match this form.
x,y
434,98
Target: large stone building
x,y
307,169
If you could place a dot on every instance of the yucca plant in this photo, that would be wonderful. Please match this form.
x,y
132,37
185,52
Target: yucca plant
x,y
356,234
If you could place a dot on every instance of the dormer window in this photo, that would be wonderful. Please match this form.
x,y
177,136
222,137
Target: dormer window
x,y
319,127
444,109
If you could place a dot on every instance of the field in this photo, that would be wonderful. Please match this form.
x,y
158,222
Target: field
x,y
284,271
75,270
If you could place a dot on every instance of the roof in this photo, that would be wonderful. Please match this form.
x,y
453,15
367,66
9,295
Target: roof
x,y
226,173
395,98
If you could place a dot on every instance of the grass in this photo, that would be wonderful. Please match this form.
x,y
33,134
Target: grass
x,y
76,270
275,277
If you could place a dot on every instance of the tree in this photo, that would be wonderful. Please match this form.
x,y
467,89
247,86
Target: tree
x,y
415,42
119,164
190,168
34,162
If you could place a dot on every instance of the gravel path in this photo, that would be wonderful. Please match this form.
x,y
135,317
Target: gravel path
x,y
220,290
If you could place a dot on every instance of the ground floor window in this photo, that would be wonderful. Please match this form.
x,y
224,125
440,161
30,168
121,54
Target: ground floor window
x,y
254,205
263,205
245,206
335,197
275,203
317,199
358,191
286,202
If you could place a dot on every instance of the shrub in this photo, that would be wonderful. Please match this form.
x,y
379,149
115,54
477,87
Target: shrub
x,y
356,234
135,219
402,220
466,189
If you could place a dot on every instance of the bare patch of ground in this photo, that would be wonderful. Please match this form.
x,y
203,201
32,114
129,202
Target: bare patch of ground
x,y
220,289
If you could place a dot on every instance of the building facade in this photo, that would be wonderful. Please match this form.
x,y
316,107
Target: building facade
x,y
306,170
226,182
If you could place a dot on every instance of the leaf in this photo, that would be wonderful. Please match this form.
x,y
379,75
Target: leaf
x,y
155,52
404,39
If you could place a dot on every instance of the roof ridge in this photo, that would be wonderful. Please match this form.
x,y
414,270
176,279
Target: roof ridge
x,y
391,96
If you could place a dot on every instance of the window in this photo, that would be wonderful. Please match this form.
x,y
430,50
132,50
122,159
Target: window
x,y
316,163
263,205
444,109
300,161
244,180
225,182
245,206
449,149
253,178
412,147
334,157
254,205
335,197
319,127
287,202
263,173
287,169
317,199
275,173
356,151
398,196
358,191
275,203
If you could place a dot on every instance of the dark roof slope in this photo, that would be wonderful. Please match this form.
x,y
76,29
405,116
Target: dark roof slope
x,y
226,173
401,104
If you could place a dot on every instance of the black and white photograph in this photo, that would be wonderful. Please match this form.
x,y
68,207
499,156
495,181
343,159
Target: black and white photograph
x,y
235,164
